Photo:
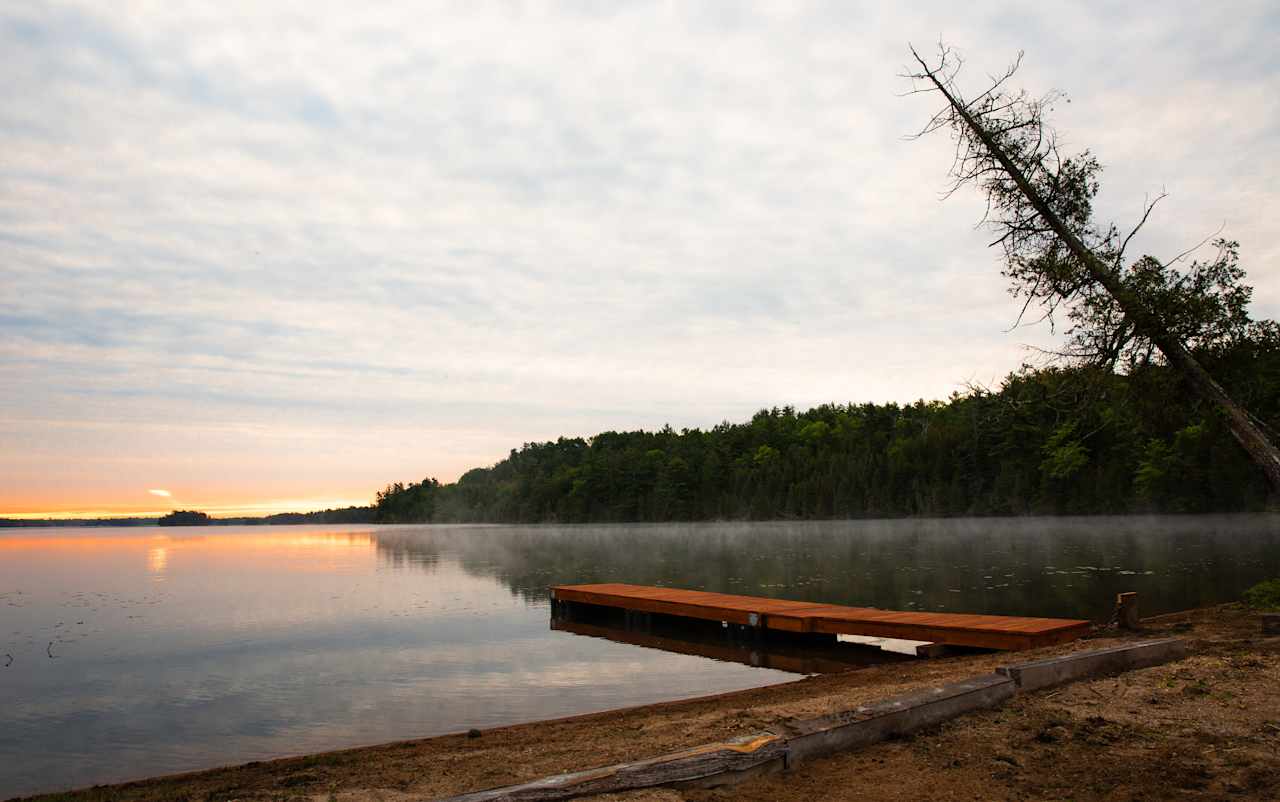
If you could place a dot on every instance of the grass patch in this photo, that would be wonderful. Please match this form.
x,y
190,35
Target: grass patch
x,y
1264,595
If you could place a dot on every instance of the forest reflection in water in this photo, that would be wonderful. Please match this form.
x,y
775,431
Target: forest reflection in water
x,y
1069,567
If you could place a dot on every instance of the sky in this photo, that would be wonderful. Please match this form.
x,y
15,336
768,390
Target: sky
x,y
259,256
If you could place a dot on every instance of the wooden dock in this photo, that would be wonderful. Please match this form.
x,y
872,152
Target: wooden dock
x,y
1010,633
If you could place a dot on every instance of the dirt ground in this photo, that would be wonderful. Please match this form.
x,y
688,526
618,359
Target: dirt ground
x,y
1207,727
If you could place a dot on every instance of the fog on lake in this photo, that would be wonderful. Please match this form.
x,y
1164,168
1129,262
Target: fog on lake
x,y
131,652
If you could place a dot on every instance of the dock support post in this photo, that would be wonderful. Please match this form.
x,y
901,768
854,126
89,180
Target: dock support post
x,y
1127,611
561,610
637,621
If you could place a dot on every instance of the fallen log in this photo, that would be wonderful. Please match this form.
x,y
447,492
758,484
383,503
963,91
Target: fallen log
x,y
706,766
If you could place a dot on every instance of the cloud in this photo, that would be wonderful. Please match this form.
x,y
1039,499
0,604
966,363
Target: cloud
x,y
161,493
343,248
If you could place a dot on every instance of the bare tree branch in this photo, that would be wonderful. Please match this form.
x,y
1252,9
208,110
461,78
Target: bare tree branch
x,y
1040,203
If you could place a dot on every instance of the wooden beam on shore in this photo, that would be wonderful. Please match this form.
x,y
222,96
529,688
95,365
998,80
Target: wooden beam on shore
x,y
734,761
707,766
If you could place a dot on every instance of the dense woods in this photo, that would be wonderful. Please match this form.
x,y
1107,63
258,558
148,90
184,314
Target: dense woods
x,y
1057,440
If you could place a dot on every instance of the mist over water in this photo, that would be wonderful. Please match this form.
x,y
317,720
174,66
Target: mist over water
x,y
1051,566
131,652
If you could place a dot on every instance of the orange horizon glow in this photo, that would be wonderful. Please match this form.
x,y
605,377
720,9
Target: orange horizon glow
x,y
215,541
225,509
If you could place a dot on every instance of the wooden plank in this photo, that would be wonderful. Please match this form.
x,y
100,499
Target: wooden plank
x,y
706,766
1114,660
894,717
955,629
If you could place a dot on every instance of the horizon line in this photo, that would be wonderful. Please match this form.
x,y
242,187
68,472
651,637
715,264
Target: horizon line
x,y
259,509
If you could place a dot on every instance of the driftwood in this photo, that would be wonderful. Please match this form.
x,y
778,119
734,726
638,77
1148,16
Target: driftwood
x,y
704,766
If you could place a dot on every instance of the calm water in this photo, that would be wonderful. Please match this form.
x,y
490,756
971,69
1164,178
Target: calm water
x,y
130,652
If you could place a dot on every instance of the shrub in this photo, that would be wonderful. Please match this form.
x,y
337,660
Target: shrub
x,y
1264,595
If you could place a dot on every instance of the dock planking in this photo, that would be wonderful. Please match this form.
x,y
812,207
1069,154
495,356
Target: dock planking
x,y
1007,633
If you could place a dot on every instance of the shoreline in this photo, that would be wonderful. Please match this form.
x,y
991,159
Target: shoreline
x,y
455,763
151,522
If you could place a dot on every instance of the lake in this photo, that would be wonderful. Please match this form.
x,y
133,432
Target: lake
x,y
129,652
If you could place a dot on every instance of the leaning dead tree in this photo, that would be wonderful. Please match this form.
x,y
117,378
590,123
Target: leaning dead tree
x,y
1040,203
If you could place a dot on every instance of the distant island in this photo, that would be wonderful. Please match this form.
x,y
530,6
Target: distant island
x,y
345,515
185,518
30,523
196,518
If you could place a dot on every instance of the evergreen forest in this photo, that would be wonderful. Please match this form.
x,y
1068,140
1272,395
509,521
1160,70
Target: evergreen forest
x,y
1053,440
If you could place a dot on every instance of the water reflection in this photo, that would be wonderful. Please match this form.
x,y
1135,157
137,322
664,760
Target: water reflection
x,y
1069,567
157,560
268,641
710,640
263,642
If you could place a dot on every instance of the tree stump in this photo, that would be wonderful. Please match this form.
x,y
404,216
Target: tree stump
x,y
1127,611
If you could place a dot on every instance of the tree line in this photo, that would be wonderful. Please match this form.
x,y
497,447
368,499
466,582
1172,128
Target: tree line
x,y
1056,440
1163,398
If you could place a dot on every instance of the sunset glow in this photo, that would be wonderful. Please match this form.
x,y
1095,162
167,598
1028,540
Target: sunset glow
x,y
217,509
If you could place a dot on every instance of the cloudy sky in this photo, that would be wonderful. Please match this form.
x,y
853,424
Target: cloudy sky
x,y
263,255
